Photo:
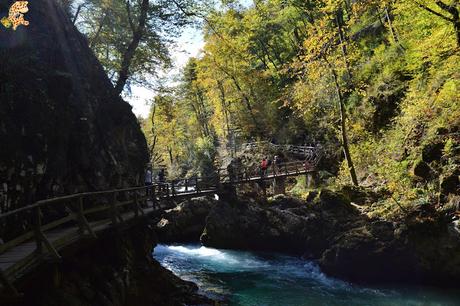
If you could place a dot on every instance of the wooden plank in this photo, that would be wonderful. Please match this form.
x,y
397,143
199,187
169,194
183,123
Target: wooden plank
x,y
96,209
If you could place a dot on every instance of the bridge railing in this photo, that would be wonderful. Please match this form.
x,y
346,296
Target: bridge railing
x,y
89,209
305,151
76,210
255,172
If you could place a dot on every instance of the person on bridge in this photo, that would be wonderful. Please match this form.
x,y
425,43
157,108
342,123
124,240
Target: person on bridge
x,y
148,181
276,164
161,177
263,167
307,165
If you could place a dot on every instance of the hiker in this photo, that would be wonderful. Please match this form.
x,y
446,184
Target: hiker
x,y
276,164
307,165
161,178
148,181
264,166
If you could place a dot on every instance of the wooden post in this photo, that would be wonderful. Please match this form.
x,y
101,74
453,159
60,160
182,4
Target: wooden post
x,y
154,197
41,238
186,185
83,222
173,188
113,208
218,179
8,285
37,223
136,207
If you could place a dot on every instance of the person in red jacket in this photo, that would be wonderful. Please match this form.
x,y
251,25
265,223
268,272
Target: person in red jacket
x,y
263,166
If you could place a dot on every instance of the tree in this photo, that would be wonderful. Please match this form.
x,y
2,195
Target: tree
x,y
132,37
451,8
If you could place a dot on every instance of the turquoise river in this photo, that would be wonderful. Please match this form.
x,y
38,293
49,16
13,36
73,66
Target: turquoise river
x,y
262,279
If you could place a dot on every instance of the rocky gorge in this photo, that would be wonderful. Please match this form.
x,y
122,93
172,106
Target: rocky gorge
x,y
330,230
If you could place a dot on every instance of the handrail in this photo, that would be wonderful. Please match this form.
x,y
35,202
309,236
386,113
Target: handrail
x,y
74,203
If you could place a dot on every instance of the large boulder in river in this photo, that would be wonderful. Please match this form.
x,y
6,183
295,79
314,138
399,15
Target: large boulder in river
x,y
423,248
185,222
63,127
367,253
284,224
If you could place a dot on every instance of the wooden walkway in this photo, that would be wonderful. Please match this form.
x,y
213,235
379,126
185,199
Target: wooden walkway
x,y
86,215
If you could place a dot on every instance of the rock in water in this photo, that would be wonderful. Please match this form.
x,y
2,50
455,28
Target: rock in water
x,y
63,128
424,248
285,225
186,222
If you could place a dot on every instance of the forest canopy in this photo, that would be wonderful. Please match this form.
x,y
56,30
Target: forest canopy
x,y
375,82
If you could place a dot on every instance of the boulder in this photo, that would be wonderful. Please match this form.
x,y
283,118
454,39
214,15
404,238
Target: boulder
x,y
424,247
432,152
185,222
251,226
422,170
285,224
450,184
359,195
367,253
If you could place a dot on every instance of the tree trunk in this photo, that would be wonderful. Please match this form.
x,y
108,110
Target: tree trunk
x,y
457,31
77,13
455,19
99,29
223,101
390,26
343,128
343,47
452,10
170,155
128,56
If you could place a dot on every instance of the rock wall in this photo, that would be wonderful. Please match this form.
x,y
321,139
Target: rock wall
x,y
115,270
63,129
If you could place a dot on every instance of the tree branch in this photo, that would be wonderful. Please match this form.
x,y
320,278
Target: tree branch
x,y
432,11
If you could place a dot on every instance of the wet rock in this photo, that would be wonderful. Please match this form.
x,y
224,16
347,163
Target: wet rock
x,y
359,195
249,226
311,196
366,253
424,247
185,222
285,224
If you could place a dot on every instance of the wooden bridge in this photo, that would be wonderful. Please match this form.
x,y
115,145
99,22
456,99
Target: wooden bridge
x,y
51,225
313,153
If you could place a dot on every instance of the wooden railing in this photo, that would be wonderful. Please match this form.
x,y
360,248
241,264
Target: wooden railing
x,y
247,174
47,215
311,152
85,212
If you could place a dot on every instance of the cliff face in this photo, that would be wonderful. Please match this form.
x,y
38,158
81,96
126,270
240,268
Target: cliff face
x,y
62,127
117,269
